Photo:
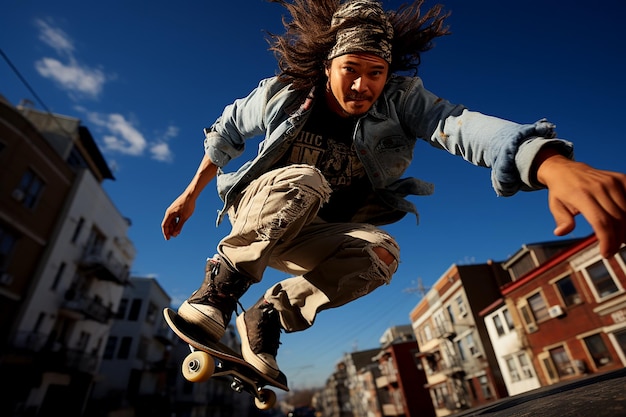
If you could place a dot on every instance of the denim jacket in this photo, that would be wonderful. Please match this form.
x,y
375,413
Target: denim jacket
x,y
384,139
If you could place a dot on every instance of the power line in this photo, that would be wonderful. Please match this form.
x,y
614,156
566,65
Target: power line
x,y
19,75
23,80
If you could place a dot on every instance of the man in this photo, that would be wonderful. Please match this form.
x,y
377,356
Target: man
x,y
339,132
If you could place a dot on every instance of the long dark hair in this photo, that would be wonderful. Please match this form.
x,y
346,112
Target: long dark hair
x,y
302,49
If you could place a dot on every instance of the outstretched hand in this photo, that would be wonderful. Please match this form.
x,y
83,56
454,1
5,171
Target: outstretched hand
x,y
577,188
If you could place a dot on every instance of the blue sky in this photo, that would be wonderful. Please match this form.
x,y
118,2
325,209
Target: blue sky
x,y
147,77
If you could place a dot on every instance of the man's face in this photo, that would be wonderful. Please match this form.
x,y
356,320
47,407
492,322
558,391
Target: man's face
x,y
356,81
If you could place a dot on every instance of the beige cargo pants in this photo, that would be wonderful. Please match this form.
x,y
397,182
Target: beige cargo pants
x,y
274,224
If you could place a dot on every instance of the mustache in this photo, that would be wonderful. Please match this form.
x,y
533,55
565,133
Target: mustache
x,y
359,97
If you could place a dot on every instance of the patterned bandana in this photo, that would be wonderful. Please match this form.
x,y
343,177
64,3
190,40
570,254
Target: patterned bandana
x,y
363,27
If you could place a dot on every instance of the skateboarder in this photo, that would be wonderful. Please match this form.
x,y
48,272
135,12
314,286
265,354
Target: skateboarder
x,y
339,130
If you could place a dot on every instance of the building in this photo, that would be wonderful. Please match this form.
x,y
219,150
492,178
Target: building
x,y
511,349
401,384
454,346
29,211
502,321
135,365
60,298
571,313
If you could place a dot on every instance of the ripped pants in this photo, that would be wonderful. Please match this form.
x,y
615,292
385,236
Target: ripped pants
x,y
274,224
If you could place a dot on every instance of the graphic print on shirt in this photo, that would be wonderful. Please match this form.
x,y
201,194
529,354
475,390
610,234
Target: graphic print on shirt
x,y
336,159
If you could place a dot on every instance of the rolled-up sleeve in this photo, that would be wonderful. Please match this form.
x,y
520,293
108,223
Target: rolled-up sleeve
x,y
241,120
508,148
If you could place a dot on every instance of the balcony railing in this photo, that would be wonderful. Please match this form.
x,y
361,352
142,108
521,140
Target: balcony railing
x,y
54,355
94,264
386,380
392,410
88,307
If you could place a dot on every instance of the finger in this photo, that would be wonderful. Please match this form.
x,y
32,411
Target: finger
x,y
608,220
563,218
608,242
610,230
170,225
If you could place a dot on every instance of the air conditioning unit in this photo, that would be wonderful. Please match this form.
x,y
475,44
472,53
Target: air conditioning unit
x,y
555,311
18,195
6,279
532,327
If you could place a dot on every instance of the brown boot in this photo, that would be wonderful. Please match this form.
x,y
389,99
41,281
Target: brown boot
x,y
211,306
259,329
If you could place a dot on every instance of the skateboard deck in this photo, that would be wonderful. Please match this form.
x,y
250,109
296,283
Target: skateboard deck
x,y
209,358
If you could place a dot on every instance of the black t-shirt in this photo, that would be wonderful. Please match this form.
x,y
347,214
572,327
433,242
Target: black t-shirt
x,y
326,142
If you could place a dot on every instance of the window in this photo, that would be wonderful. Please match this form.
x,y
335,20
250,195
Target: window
x,y
440,395
29,190
548,366
124,348
508,319
521,266
151,316
427,333
561,361
598,350
527,370
538,307
109,349
95,244
471,346
601,279
459,346
121,310
485,387
7,243
433,362
568,292
512,368
497,322
461,306
58,275
135,308
77,230
450,313
528,319
620,337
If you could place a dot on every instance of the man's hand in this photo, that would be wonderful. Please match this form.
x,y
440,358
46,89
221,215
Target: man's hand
x,y
183,207
576,188
177,214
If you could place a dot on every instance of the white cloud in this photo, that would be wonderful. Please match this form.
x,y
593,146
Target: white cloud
x,y
70,75
55,38
160,148
117,134
161,152
120,135
123,137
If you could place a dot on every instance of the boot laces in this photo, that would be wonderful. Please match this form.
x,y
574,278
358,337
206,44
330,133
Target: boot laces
x,y
268,330
226,302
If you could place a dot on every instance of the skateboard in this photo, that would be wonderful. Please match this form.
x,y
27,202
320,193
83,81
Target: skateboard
x,y
213,359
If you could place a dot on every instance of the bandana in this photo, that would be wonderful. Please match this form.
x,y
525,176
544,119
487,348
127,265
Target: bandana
x,y
363,27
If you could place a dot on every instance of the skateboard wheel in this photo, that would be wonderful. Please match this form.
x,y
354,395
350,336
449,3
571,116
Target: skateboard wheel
x,y
265,400
198,366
